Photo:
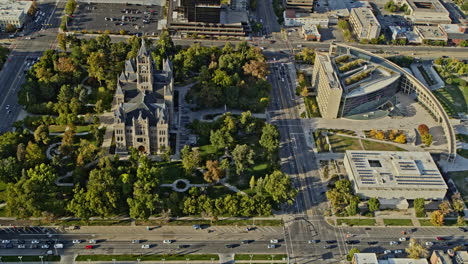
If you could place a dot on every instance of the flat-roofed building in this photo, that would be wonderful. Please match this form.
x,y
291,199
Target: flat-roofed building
x,y
365,258
294,18
327,86
304,5
428,11
430,33
13,12
455,33
389,175
364,23
311,32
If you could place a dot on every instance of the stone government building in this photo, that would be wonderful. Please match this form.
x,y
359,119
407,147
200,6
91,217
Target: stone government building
x,y
143,105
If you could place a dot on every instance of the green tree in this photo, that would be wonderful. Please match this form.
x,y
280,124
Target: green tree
x,y
86,152
351,253
66,147
270,139
78,206
252,182
190,158
221,139
10,170
243,157
461,221
213,171
62,41
427,139
70,7
102,195
34,154
247,122
415,250
457,202
97,62
41,134
166,156
278,186
419,207
373,204
352,208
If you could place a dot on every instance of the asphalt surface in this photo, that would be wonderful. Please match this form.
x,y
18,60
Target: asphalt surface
x,y
23,50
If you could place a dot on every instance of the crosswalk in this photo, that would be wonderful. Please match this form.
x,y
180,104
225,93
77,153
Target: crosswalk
x,y
29,230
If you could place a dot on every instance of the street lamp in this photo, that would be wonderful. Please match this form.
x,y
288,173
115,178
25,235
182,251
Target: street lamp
x,y
163,260
42,261
251,257
113,261
187,259
272,256
20,258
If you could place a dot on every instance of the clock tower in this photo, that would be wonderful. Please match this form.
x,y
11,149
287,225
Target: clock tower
x,y
144,69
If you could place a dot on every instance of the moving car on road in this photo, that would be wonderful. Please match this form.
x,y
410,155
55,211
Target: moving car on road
x,y
167,241
429,243
89,247
393,243
402,239
145,246
76,241
272,246
273,241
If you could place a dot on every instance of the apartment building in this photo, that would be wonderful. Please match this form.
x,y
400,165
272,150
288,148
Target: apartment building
x,y
364,23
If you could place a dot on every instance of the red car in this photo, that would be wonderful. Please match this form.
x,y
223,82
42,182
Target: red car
x,y
440,238
89,247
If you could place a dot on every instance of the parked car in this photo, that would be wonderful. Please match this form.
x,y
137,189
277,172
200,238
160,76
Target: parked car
x,y
45,246
92,241
196,227
136,241
387,251
330,241
35,241
21,246
393,243
273,241
398,251
76,241
313,241
402,239
440,238
5,241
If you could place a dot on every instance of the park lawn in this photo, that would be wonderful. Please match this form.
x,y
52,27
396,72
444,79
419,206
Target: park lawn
x,y
461,181
29,258
453,98
207,151
146,257
3,187
398,222
341,143
373,145
260,256
356,222
61,128
310,102
223,222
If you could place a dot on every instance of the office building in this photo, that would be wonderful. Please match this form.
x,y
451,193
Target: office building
x,y
394,175
371,258
433,33
427,12
303,5
13,12
364,23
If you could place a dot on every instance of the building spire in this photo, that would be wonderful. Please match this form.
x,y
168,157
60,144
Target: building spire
x,y
143,51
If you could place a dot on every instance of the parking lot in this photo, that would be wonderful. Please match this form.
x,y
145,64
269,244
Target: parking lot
x,y
133,18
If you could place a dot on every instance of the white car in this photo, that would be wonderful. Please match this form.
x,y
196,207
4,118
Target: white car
x,y
402,239
92,241
387,252
6,241
35,241
135,241
45,246
398,251
21,246
429,243
393,243
145,246
76,241
271,246
273,241
167,241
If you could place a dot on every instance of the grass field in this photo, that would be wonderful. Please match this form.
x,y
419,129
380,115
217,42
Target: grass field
x,y
373,145
341,143
260,256
461,180
61,128
356,222
398,222
462,138
145,257
447,222
453,98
